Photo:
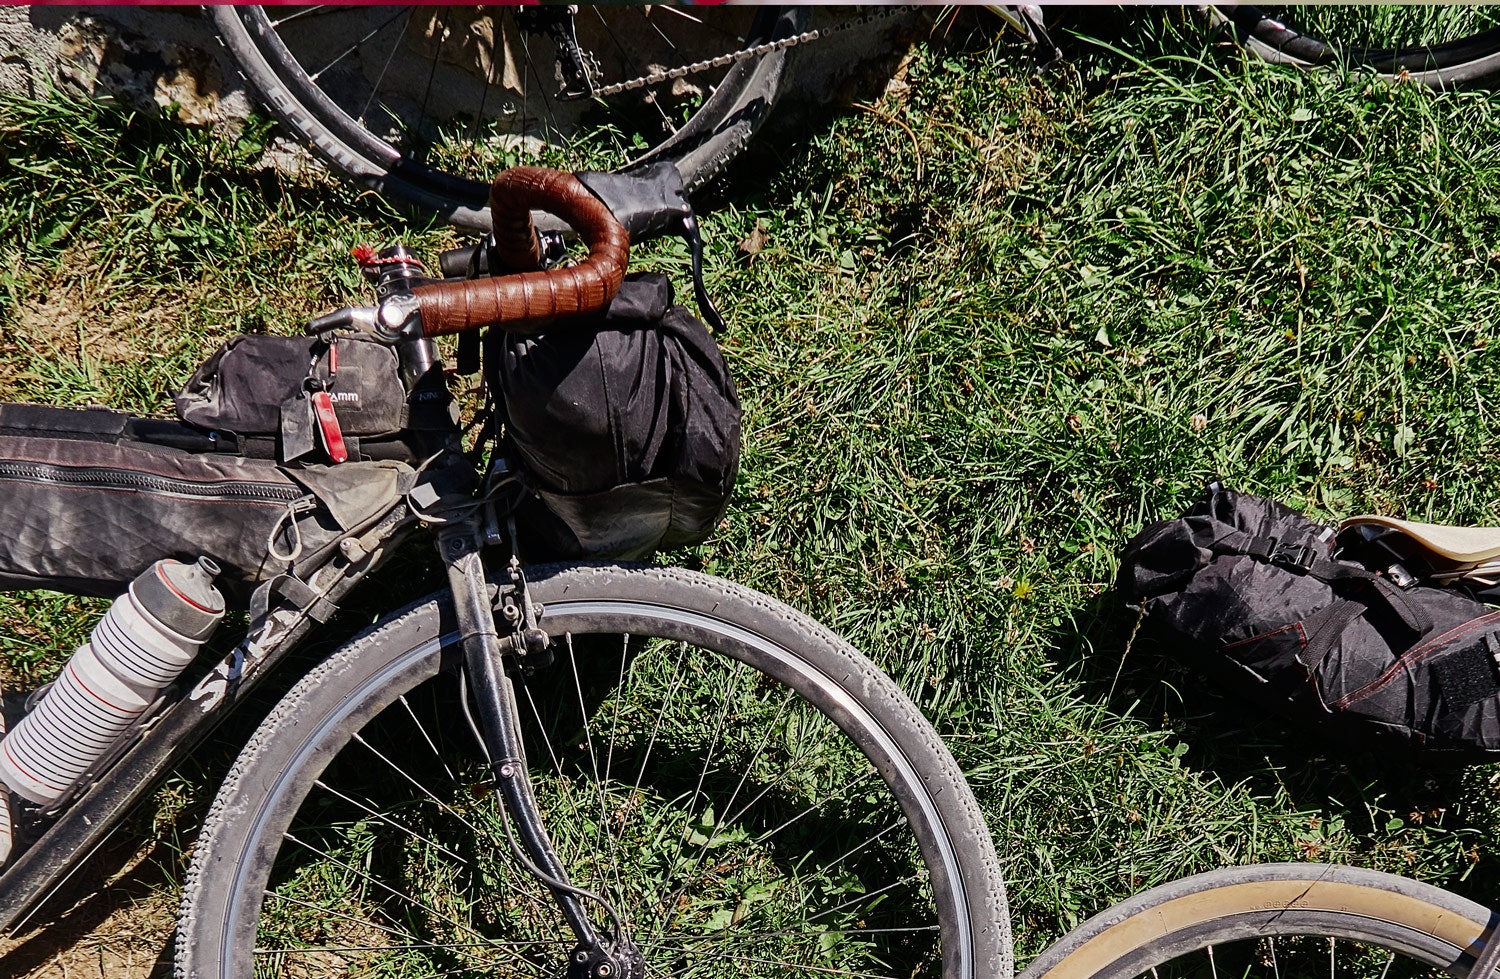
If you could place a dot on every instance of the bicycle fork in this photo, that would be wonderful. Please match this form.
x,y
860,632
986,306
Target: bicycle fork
x,y
596,956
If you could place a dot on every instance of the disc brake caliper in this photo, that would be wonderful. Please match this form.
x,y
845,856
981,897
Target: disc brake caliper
x,y
528,641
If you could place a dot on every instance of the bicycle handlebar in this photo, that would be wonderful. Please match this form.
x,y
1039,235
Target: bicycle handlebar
x,y
528,299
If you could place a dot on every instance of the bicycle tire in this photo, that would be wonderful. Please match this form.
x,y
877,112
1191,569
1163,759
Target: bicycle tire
x,y
708,140
835,707
1169,929
1443,62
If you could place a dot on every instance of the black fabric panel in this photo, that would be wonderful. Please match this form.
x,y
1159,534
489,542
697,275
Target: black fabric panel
x,y
241,388
1466,675
86,516
91,424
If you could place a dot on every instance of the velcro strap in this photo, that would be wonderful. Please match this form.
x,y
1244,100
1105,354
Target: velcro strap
x,y
1325,629
317,607
1467,675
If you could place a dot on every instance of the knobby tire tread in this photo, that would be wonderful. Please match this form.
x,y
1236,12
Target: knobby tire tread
x,y
202,927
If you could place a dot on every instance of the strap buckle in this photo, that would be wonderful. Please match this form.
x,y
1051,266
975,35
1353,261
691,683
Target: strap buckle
x,y
1295,557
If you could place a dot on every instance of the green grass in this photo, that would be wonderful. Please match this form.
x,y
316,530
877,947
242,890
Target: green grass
x,y
998,323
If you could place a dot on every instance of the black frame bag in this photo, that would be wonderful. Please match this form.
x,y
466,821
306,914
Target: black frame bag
x,y
1271,604
90,498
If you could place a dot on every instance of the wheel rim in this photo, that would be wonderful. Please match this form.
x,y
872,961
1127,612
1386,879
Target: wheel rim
x,y
1295,955
1286,921
779,849
1298,947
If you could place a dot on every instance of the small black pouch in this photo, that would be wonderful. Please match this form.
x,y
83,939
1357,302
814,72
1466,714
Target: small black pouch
x,y
255,388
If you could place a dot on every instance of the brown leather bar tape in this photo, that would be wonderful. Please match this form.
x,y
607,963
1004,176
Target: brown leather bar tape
x,y
526,300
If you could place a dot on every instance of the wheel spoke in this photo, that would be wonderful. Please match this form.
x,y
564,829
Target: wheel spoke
x,y
692,806
380,884
460,948
350,49
853,902
439,38
425,791
385,66
370,811
820,970
632,66
754,838
599,784
427,739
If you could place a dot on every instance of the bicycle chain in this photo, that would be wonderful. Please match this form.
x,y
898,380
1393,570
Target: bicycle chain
x,y
760,50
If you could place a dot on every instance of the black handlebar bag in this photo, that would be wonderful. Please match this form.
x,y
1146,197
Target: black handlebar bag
x,y
255,390
626,427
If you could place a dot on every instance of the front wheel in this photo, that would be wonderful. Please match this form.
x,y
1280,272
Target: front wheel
x,y
751,796
1275,920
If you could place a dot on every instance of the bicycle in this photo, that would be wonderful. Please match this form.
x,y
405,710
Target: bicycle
x,y
721,785
547,85
694,88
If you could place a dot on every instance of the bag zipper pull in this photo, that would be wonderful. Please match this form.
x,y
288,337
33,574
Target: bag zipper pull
x,y
321,401
328,425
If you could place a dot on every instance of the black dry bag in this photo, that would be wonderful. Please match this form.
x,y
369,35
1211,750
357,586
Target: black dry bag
x,y
626,426
1313,623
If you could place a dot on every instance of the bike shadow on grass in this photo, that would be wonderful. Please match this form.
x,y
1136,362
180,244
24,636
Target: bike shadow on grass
x,y
113,917
1225,735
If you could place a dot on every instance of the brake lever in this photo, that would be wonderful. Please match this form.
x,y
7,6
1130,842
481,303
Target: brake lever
x,y
694,241
652,203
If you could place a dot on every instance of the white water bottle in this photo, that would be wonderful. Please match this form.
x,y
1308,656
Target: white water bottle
x,y
7,834
148,636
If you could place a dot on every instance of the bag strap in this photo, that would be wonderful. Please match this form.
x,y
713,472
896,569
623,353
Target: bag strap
x,y
1304,559
1331,623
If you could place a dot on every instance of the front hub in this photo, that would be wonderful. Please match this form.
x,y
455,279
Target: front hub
x,y
623,961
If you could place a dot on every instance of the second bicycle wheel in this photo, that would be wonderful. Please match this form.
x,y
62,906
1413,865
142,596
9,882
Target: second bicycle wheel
x,y
428,103
1438,45
1275,920
751,796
